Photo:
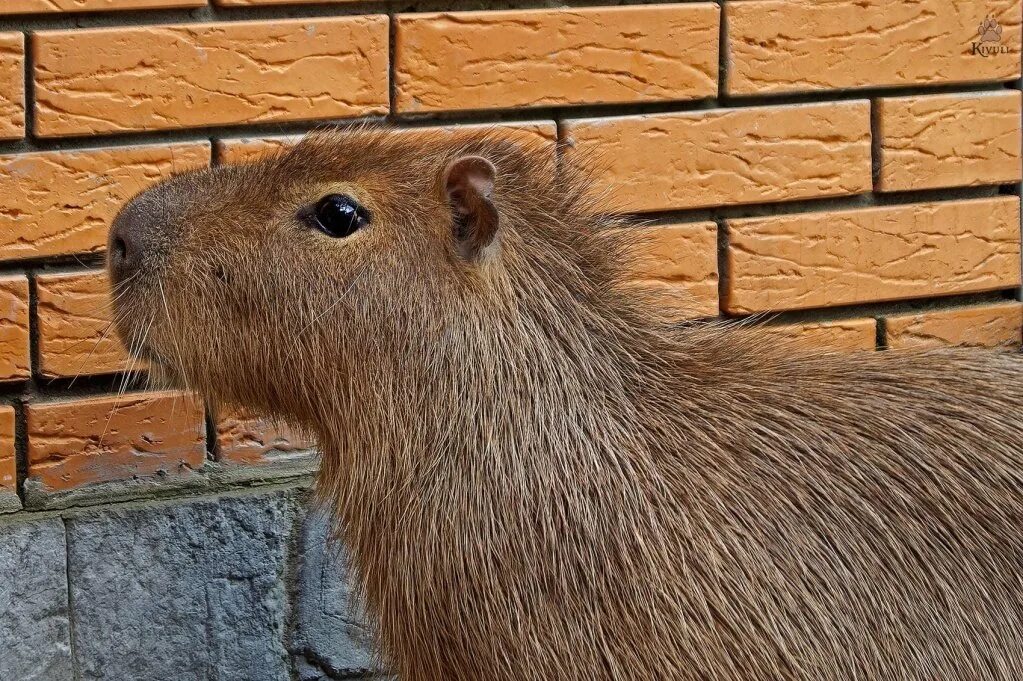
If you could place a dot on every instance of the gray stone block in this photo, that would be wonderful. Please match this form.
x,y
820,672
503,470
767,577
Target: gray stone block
x,y
331,639
35,643
183,591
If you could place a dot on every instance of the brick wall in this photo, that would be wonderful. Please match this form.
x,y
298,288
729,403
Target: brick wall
x,y
849,167
852,168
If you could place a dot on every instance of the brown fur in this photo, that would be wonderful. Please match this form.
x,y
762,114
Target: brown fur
x,y
538,480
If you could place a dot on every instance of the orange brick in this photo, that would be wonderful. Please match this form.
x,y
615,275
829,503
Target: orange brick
x,y
949,140
52,6
831,258
677,265
525,132
263,3
75,329
245,149
802,45
845,334
554,57
248,149
161,77
72,443
62,202
997,324
14,344
246,439
8,460
12,85
728,156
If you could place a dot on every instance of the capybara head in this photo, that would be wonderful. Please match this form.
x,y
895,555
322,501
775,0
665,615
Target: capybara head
x,y
350,266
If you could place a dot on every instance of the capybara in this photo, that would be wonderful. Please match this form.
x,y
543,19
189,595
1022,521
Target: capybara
x,y
535,475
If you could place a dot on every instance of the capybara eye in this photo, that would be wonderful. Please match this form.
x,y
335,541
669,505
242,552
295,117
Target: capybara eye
x,y
339,215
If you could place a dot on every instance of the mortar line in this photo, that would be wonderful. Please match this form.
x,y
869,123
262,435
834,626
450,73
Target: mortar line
x,y
876,149
33,323
216,155
885,308
723,52
159,498
1018,191
52,264
86,386
21,408
881,332
392,81
212,441
724,271
75,671
29,85
290,580
20,448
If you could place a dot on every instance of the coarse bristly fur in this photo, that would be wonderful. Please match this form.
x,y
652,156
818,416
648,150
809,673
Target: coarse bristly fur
x,y
536,479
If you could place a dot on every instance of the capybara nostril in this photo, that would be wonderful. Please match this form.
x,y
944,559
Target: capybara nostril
x,y
118,248
131,236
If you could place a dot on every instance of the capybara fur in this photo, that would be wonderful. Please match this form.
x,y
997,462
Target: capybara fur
x,y
535,476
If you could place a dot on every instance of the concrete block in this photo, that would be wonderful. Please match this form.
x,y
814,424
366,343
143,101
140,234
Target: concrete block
x,y
185,591
35,642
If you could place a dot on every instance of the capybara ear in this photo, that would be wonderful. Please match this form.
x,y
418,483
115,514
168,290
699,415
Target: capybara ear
x,y
469,186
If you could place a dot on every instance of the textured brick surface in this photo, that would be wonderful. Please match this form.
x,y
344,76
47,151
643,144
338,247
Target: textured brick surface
x,y
61,202
191,592
75,326
263,3
677,265
48,6
486,60
159,77
719,157
887,253
8,464
35,643
798,45
242,438
983,325
949,140
845,334
247,149
101,439
244,149
12,85
15,363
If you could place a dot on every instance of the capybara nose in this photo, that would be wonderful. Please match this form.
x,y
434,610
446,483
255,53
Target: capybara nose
x,y
131,236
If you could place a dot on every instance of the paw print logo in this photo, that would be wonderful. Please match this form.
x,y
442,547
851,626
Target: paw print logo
x,y
990,31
